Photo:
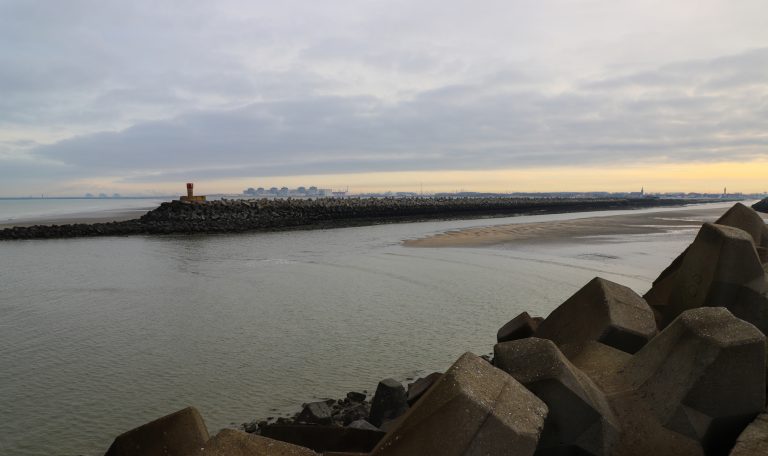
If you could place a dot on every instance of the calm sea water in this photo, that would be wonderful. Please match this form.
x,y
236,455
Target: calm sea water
x,y
98,336
31,210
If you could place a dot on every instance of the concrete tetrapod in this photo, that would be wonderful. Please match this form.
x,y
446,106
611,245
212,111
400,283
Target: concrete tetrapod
x,y
720,269
580,420
693,388
601,311
518,328
473,409
178,434
229,442
747,219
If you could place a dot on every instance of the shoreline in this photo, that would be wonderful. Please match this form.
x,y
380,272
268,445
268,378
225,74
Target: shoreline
x,y
232,216
117,215
598,229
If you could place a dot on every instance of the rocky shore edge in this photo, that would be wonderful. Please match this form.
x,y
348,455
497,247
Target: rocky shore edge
x,y
678,371
230,216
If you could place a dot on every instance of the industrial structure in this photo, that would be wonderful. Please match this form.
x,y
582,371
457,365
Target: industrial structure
x,y
191,197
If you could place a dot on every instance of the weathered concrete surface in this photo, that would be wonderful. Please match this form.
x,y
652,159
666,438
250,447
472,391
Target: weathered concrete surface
x,y
753,441
713,271
761,206
389,402
580,420
597,361
693,388
745,218
519,327
421,386
324,438
474,409
602,311
229,442
177,434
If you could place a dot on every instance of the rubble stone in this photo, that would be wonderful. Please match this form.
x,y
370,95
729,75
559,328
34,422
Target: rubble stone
x,y
389,401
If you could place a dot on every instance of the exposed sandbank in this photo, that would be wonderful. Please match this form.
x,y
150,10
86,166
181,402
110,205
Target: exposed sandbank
x,y
591,229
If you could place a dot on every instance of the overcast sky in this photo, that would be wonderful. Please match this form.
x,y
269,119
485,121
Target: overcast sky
x,y
142,96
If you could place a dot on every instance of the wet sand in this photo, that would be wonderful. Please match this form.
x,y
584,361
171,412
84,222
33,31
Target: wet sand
x,y
591,229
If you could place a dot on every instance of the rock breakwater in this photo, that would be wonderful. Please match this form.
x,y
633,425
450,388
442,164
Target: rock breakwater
x,y
227,216
680,370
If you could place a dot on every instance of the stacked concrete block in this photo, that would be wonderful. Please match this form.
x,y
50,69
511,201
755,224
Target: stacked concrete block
x,y
520,327
601,311
178,434
693,388
473,409
580,419
229,442
720,269
753,440
746,219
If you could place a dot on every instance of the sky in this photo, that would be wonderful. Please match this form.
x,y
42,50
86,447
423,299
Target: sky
x,y
140,97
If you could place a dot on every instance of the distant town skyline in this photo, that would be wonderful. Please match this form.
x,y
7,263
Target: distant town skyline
x,y
554,95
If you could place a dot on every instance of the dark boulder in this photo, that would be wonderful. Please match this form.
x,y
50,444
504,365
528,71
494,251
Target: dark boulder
x,y
389,401
315,413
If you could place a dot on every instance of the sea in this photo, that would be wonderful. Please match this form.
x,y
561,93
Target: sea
x,y
100,335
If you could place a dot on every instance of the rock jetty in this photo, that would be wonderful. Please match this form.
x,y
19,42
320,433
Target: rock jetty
x,y
678,371
228,216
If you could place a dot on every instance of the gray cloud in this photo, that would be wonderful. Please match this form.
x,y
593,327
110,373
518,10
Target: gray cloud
x,y
235,89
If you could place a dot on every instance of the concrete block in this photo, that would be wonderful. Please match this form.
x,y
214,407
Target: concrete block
x,y
177,434
694,387
229,442
389,402
747,219
602,311
720,259
474,409
580,419
518,328
421,386
753,440
321,438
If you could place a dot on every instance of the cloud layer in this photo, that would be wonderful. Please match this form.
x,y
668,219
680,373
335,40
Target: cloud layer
x,y
142,94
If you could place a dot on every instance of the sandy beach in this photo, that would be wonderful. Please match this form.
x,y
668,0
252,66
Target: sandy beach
x,y
591,229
